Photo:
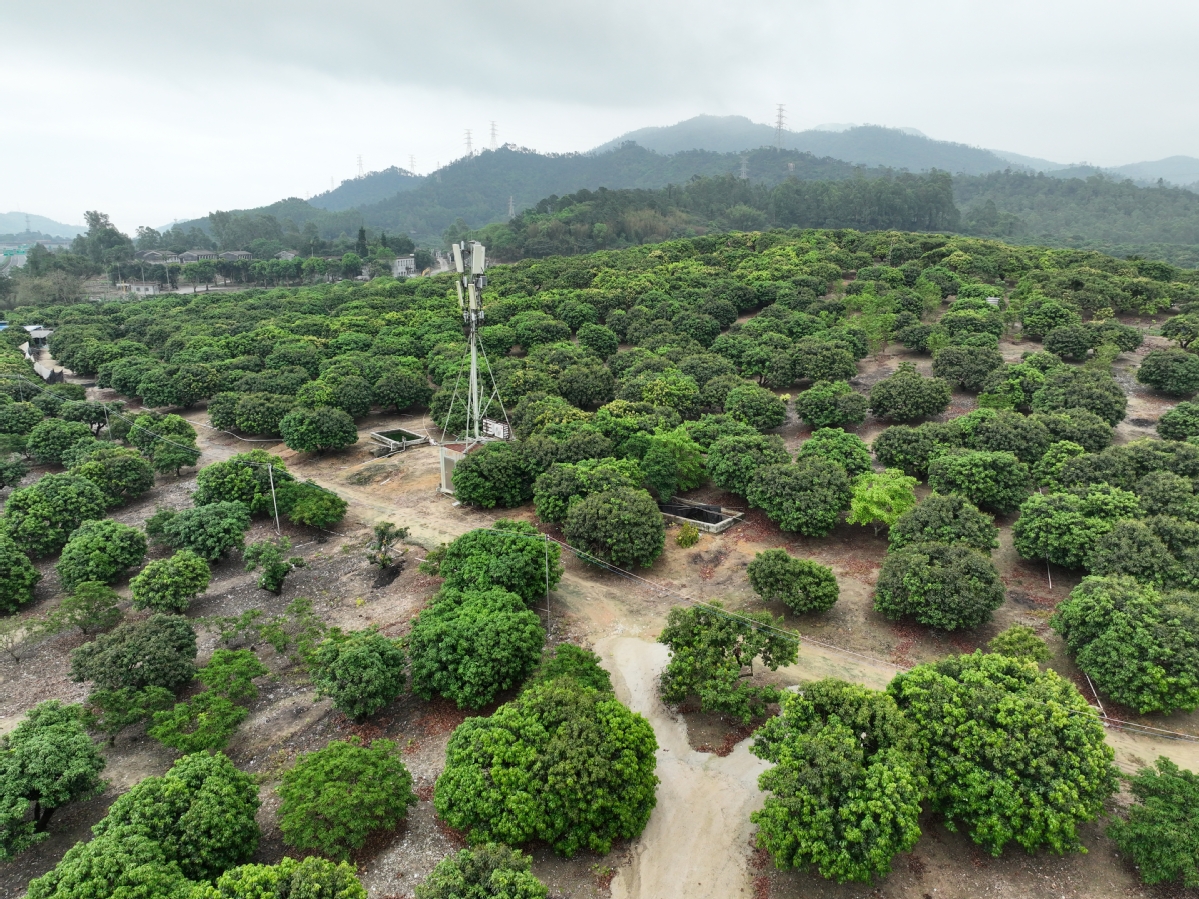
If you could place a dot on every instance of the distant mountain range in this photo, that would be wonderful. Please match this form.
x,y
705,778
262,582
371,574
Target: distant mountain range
x,y
18,223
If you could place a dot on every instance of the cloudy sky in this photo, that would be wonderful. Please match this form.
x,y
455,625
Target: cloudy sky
x,y
156,111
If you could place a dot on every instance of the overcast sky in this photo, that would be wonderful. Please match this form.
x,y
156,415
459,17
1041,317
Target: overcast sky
x,y
155,111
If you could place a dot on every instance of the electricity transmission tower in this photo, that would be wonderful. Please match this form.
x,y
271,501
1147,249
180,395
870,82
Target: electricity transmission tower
x,y
511,209
412,164
470,150
778,127
494,144
359,165
744,168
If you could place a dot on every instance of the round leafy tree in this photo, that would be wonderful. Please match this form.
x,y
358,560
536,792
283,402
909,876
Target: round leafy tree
x,y
1015,754
39,518
48,761
205,722
495,474
755,406
244,478
1020,642
997,481
201,812
623,526
489,871
1071,342
157,652
1132,548
334,798
948,586
1140,648
1182,329
912,449
561,763
734,461
709,649
209,531
1047,472
12,470
1179,423
600,340
1161,832
511,555
836,446
318,430
100,550
311,505
18,577
826,362
290,879
120,473
1081,388
1172,371
967,367
807,497
881,497
830,404
113,866
19,418
360,671
51,438
1006,432
843,755
168,585
907,395
261,413
470,646
945,519
568,660
1065,527
803,585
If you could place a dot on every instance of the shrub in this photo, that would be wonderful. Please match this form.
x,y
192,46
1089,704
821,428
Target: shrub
x,y
880,498
121,474
489,871
907,395
1078,426
1015,754
100,550
18,577
311,505
843,755
561,486
361,671
92,607
1160,832
807,497
912,449
40,518
945,519
1081,388
168,585
600,340
1064,527
470,646
312,876
1024,437
803,585
622,526
49,761
204,723
755,406
261,413
1020,642
836,446
209,531
111,711
12,470
560,763
947,586
825,362
996,481
709,648
830,404
687,536
334,798
733,462
318,430
968,367
512,555
1047,472
495,474
1140,648
568,660
157,652
113,866
1172,371
201,812
1071,342
244,478
268,555
19,418
231,673
49,439
1179,423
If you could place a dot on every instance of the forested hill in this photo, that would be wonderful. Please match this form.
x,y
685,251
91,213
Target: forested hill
x,y
370,188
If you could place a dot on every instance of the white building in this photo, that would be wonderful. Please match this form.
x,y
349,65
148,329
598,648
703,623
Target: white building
x,y
139,288
403,266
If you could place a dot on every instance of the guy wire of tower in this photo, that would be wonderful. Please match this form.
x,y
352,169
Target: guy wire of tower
x,y
494,144
778,127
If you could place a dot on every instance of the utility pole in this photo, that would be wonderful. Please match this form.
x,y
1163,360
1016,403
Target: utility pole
x,y
778,127
494,145
470,262
470,150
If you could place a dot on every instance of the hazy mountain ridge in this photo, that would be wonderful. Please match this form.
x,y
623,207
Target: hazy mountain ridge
x,y
14,223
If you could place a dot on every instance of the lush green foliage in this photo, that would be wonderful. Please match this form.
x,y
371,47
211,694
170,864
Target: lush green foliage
x,y
41,517
1140,648
881,497
709,648
268,555
990,480
734,461
568,660
807,497
561,763
830,404
755,406
1081,388
908,395
244,478
121,473
947,519
1065,527
334,798
1161,832
511,555
48,440
1020,642
360,671
18,577
1015,754
100,550
846,785
318,430
967,367
470,646
114,865
157,652
209,530
489,871
169,585
1180,422
949,586
290,879
622,526
91,607
803,585
1172,371
495,474
836,446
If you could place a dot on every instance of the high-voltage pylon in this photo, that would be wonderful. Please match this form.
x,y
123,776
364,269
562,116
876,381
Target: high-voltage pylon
x,y
778,127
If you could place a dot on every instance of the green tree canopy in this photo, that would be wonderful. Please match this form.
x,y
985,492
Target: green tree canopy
x,y
733,461
908,395
949,586
836,446
169,585
623,526
100,550
512,555
807,497
361,671
495,474
1161,832
801,584
18,577
990,480
159,651
41,517
209,530
881,498
489,871
830,404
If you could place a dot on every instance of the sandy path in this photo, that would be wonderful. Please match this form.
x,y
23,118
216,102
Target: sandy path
x,y
696,843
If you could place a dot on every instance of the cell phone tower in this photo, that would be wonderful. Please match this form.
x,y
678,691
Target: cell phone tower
x,y
778,126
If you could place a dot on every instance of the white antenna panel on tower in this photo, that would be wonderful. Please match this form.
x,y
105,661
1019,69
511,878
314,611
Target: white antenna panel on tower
x,y
458,263
477,254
